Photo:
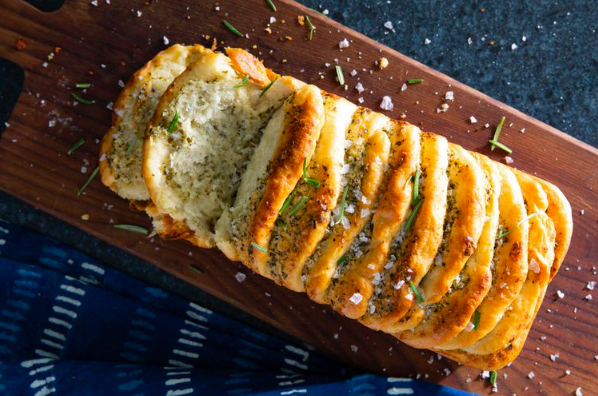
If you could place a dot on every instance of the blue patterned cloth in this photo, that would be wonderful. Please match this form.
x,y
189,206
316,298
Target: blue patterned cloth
x,y
72,326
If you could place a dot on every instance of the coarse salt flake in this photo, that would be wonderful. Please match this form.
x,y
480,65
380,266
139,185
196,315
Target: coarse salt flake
x,y
388,25
531,375
509,160
354,348
591,285
473,120
386,103
554,357
514,47
344,43
240,277
427,41
359,87
166,40
356,298
450,95
560,294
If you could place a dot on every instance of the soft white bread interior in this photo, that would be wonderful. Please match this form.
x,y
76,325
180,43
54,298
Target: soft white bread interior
x,y
202,137
121,147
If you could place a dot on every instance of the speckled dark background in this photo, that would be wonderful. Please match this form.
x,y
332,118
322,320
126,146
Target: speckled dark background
x,y
552,75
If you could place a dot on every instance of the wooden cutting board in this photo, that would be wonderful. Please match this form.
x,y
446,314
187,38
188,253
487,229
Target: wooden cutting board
x,y
105,44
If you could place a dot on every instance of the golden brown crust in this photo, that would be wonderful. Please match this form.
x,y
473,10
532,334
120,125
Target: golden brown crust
x,y
295,238
365,158
303,123
247,64
559,210
509,263
453,312
363,274
417,247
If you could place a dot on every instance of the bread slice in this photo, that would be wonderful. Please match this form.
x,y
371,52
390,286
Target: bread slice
x,y
413,250
294,238
277,165
188,166
540,259
509,265
463,223
121,147
365,155
452,314
350,293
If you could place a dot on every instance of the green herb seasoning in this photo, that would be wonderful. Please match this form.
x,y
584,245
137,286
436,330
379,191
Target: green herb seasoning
x,y
232,28
281,224
88,182
341,212
286,204
82,100
83,85
174,122
268,87
418,296
298,207
493,377
342,260
195,269
312,28
504,234
132,228
75,146
243,83
271,5
412,81
415,194
494,140
476,319
310,181
416,207
258,247
339,75
500,145
132,144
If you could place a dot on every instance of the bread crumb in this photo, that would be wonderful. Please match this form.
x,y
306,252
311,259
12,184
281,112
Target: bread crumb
x,y
383,63
85,217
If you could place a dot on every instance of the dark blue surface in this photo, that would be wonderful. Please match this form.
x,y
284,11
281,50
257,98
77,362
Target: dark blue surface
x,y
552,76
72,326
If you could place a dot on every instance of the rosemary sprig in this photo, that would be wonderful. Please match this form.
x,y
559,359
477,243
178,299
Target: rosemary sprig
x,y
174,122
298,207
476,319
286,204
75,146
493,377
131,145
271,5
195,269
494,140
311,181
418,296
312,28
243,83
267,87
258,247
132,228
416,207
500,145
341,212
415,194
88,182
232,28
504,234
339,75
82,100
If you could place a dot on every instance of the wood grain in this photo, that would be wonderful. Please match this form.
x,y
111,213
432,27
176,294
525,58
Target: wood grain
x,y
105,44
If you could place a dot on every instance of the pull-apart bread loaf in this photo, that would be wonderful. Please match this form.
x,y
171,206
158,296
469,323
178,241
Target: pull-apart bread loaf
x,y
395,227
